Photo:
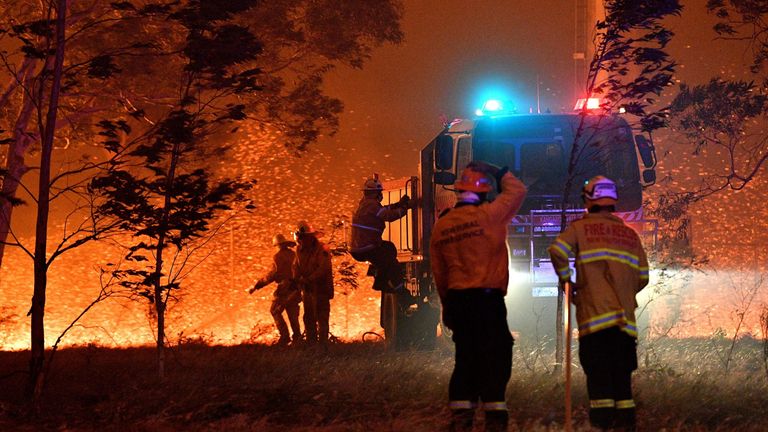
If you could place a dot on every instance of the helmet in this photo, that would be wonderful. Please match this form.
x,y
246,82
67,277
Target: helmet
x,y
600,190
473,181
373,184
303,228
279,240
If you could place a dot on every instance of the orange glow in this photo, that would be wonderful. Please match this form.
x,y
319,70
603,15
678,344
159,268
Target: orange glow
x,y
212,305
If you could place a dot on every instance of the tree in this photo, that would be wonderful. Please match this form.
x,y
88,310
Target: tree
x,y
43,198
163,185
121,55
743,20
629,70
170,74
51,89
726,117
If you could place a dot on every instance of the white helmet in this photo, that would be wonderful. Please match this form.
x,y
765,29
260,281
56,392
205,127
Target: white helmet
x,y
600,190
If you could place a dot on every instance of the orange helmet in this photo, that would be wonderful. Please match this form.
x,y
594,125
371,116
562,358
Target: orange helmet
x,y
473,181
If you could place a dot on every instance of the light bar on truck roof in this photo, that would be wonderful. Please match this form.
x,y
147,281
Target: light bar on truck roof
x,y
490,107
592,104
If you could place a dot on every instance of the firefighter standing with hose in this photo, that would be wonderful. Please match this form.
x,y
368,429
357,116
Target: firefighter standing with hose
x,y
611,268
287,296
470,265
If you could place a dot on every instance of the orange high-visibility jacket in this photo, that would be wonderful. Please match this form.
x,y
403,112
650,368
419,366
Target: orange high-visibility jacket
x,y
611,268
468,248
368,223
281,272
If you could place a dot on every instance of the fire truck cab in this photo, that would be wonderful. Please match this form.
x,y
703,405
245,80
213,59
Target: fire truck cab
x,y
536,148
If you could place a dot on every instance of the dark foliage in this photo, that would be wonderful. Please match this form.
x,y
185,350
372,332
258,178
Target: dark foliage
x,y
743,20
631,52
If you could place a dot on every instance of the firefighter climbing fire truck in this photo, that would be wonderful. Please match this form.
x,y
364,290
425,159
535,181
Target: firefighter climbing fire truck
x,y
536,148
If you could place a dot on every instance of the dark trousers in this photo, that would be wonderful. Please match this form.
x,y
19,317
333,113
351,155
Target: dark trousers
x,y
317,311
608,357
389,272
292,310
478,319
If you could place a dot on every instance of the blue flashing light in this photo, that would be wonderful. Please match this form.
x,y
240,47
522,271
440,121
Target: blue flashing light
x,y
493,105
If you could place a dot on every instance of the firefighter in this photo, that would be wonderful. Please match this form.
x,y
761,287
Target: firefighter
x,y
367,227
287,296
314,273
469,263
611,268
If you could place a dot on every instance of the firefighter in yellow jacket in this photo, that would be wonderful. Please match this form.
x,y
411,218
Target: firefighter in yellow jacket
x,y
469,261
287,296
611,268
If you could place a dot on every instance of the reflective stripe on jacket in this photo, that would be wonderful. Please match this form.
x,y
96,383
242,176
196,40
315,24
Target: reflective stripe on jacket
x,y
468,248
611,268
368,223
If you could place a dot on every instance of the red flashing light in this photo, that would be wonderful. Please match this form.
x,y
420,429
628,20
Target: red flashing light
x,y
592,104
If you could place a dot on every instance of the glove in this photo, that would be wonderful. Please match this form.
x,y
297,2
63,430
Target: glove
x,y
499,174
574,289
258,285
405,202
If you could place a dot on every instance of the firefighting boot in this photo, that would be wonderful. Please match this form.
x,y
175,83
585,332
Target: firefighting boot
x,y
496,420
625,418
602,418
461,420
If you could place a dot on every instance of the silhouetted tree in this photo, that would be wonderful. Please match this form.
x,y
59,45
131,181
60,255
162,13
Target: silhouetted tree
x,y
726,118
231,60
169,74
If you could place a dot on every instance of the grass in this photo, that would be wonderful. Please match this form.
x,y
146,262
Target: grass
x,y
359,387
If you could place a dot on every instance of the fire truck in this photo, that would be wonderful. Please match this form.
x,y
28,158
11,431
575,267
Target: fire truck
x,y
536,148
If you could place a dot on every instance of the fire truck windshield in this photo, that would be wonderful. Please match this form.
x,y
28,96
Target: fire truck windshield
x,y
536,148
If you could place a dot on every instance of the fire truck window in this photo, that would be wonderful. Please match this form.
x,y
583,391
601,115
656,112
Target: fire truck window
x,y
542,168
463,153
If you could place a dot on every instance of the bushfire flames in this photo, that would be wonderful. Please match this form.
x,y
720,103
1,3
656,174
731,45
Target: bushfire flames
x,y
211,305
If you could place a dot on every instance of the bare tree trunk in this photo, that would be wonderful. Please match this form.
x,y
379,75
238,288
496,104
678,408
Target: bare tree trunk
x,y
161,295
160,308
37,360
14,163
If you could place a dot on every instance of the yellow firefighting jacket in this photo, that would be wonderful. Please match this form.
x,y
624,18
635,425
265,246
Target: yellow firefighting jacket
x,y
468,248
611,268
368,223
281,273
313,267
